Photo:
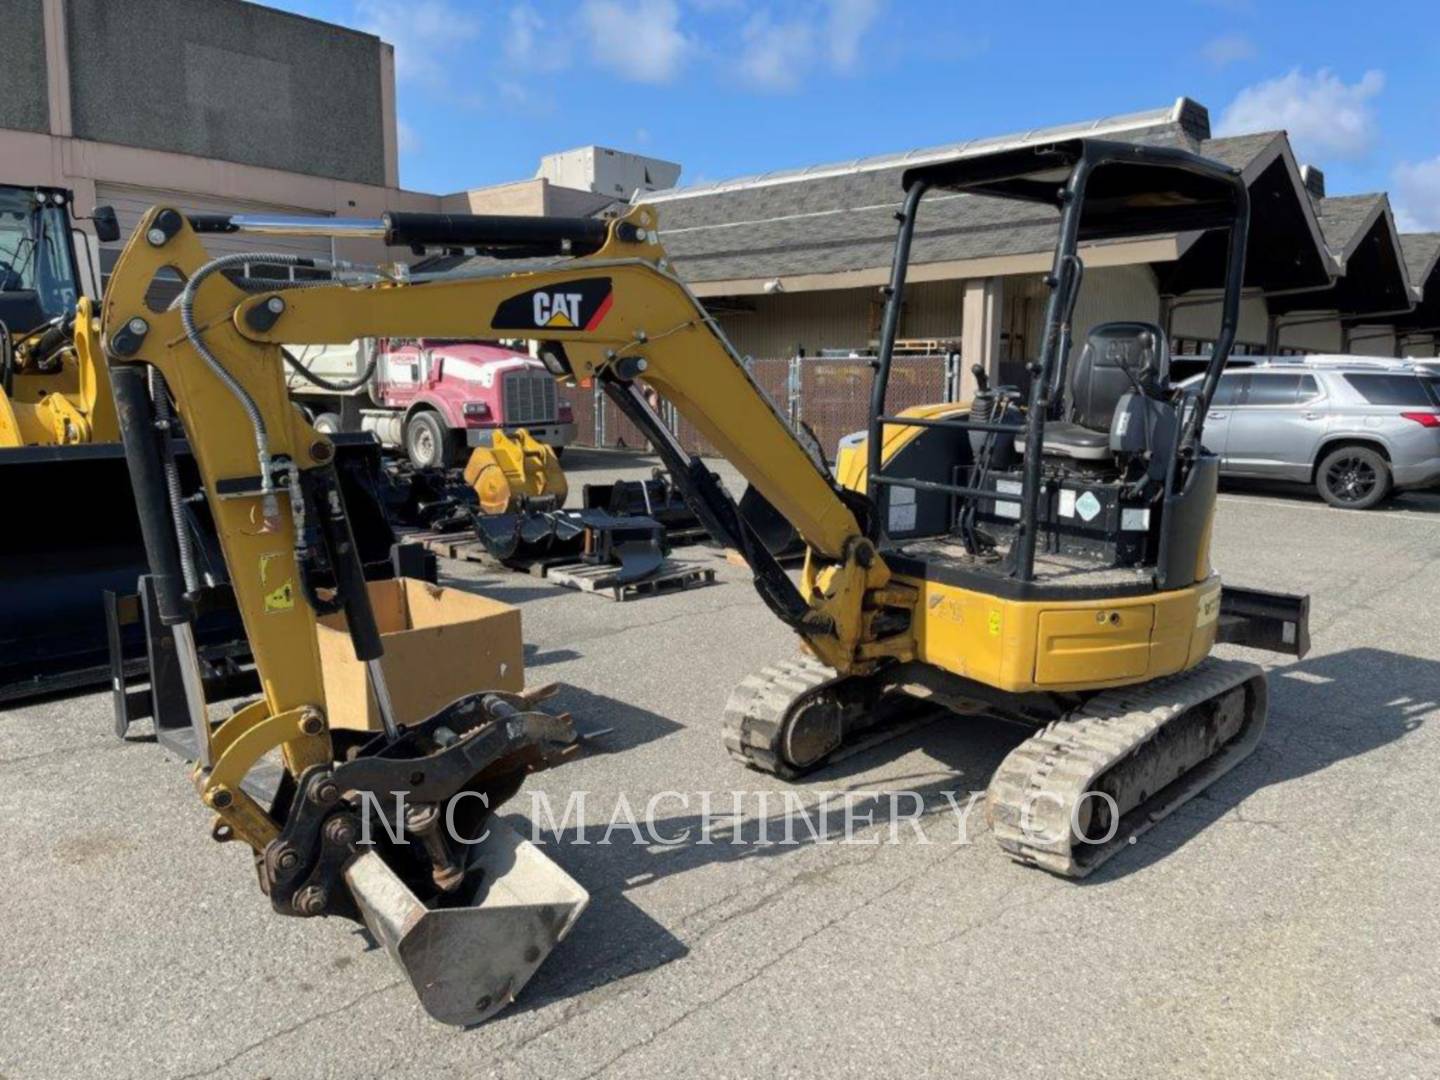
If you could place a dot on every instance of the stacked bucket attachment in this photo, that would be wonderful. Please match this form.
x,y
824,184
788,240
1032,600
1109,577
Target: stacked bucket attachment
x,y
521,491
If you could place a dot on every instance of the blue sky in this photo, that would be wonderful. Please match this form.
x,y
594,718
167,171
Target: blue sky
x,y
730,87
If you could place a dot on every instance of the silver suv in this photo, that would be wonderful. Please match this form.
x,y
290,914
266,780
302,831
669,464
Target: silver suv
x,y
1357,428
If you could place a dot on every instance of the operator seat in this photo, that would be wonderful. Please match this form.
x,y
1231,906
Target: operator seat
x,y
1117,357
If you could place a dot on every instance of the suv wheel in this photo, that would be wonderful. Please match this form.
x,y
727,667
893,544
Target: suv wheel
x,y
1353,478
427,442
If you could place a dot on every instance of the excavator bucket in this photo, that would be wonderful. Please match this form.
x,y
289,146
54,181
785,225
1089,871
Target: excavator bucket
x,y
466,962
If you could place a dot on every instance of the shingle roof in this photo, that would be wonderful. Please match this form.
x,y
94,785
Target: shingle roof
x,y
831,219
1421,250
1238,151
844,220
1342,217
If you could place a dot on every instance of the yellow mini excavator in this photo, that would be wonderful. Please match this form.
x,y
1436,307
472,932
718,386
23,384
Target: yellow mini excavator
x,y
1042,555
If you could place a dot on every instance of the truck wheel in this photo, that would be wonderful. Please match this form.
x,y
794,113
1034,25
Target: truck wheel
x,y
1353,478
327,423
427,442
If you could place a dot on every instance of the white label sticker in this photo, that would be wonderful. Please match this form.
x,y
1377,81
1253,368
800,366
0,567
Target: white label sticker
x,y
1087,506
1135,520
1008,509
902,517
1067,502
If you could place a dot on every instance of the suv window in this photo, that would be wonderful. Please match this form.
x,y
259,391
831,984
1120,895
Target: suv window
x,y
1394,390
1229,390
1309,388
1272,389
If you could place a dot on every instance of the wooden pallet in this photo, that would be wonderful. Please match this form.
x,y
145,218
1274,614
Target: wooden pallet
x,y
787,559
464,547
674,575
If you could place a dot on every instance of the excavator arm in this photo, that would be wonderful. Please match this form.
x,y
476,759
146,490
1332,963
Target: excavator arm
x,y
615,314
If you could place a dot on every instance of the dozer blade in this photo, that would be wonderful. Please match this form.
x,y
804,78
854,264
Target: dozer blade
x,y
466,962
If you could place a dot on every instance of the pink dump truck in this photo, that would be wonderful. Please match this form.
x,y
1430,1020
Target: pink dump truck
x,y
434,398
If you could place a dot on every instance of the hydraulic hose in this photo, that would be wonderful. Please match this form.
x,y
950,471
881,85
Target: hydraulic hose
x,y
324,383
271,506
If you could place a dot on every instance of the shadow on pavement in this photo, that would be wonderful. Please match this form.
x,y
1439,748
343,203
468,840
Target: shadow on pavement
x,y
1323,710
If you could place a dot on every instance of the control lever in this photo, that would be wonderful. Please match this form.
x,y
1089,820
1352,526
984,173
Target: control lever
x,y
982,380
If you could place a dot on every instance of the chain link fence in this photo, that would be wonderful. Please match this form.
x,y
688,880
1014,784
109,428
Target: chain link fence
x,y
829,395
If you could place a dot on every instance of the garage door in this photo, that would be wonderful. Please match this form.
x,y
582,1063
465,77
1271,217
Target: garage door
x,y
131,203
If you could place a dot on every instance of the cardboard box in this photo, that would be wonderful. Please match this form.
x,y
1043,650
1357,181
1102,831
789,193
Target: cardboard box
x,y
440,644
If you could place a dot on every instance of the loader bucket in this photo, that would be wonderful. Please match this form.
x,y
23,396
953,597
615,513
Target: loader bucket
x,y
74,534
468,962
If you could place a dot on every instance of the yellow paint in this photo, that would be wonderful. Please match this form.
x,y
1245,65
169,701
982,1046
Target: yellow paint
x,y
69,406
514,468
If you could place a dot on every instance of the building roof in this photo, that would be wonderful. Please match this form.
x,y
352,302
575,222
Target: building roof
x,y
833,226
826,221
1344,219
839,218
1422,255
1360,232
1183,114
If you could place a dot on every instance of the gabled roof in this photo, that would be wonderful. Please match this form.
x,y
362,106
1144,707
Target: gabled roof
x,y
1345,219
1422,254
1360,231
1422,260
1287,249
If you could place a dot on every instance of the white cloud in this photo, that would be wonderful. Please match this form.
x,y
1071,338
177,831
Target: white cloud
x,y
424,33
774,56
407,140
1324,115
1417,194
533,42
1228,49
847,22
638,40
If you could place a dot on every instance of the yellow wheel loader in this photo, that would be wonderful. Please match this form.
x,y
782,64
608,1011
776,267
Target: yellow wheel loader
x,y
1041,553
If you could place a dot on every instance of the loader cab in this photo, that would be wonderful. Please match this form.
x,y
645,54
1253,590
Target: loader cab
x,y
1090,480
39,271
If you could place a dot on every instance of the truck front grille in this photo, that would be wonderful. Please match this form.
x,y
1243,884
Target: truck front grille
x,y
529,397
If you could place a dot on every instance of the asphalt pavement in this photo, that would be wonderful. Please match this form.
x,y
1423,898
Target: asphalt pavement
x,y
1282,925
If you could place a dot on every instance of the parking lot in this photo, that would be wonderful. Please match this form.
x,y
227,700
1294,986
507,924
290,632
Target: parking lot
x,y
1283,924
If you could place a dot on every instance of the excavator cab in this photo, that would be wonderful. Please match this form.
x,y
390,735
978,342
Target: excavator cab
x,y
1091,480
